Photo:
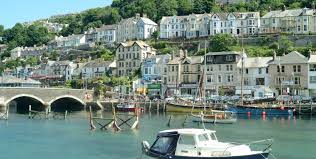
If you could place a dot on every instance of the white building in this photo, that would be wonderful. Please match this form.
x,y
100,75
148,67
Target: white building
x,y
106,34
97,68
69,41
256,77
312,75
201,25
135,28
54,27
25,52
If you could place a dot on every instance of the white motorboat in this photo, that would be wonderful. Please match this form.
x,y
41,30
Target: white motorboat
x,y
201,144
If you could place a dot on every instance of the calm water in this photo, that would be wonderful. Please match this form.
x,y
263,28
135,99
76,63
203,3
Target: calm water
x,y
22,138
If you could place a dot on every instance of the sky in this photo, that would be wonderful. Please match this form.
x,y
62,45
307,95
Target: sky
x,y
13,11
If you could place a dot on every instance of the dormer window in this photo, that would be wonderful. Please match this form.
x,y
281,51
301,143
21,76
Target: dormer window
x,y
229,58
209,59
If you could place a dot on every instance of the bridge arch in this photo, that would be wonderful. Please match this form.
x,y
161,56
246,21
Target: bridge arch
x,y
67,102
67,96
24,95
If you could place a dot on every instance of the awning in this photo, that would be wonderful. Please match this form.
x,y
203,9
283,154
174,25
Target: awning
x,y
243,91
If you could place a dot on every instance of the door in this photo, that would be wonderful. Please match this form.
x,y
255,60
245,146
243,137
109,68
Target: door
x,y
186,146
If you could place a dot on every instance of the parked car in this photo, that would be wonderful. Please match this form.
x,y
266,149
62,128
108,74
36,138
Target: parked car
x,y
306,99
284,98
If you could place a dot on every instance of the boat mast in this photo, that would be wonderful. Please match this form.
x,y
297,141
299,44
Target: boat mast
x,y
204,74
242,78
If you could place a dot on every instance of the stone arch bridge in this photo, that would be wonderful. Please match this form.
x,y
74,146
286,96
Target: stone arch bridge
x,y
45,96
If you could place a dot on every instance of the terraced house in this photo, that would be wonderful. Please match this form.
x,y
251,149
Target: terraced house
x,y
202,25
289,74
130,56
297,21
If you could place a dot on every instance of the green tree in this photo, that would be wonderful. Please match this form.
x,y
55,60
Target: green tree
x,y
167,8
222,42
185,7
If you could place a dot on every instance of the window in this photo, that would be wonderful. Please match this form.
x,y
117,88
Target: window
x,y
227,67
203,137
273,21
210,79
305,27
312,67
229,78
294,68
259,81
172,68
231,67
186,140
282,68
219,78
260,70
278,68
214,24
312,79
298,28
267,70
247,71
162,145
229,58
297,80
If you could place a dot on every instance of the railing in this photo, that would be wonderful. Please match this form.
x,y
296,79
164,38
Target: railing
x,y
266,148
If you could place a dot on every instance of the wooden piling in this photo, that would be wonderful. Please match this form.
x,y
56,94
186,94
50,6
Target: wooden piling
x,y
92,126
30,109
164,106
168,124
66,113
149,105
158,103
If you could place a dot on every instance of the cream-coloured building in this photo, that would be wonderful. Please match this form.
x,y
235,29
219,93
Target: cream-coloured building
x,y
289,74
191,73
297,21
130,55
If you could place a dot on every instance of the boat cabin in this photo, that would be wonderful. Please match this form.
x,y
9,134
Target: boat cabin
x,y
183,142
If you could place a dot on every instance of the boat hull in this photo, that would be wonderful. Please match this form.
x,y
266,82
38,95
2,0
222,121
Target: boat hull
x,y
260,111
254,156
216,121
178,108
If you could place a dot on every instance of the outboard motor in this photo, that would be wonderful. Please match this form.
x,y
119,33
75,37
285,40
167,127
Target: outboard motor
x,y
145,147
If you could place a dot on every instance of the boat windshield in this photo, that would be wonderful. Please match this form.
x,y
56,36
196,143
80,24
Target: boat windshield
x,y
203,137
162,144
213,136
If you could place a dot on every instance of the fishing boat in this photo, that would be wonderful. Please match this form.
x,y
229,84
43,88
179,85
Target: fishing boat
x,y
183,106
126,107
216,117
261,110
201,144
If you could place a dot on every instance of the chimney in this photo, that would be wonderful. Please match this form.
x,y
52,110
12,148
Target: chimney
x,y
270,9
185,53
172,56
274,55
137,16
144,15
284,8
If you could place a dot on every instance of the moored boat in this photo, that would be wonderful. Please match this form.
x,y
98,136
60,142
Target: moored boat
x,y
185,107
200,144
126,107
216,117
258,110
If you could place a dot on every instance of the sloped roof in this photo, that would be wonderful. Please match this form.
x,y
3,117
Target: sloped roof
x,y
131,43
97,63
312,58
12,79
289,13
255,62
194,59
225,53
293,57
148,21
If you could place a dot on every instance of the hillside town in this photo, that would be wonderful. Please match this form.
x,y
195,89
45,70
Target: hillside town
x,y
177,72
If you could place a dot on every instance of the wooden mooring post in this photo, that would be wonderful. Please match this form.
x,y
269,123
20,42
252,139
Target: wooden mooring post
x,y
158,104
164,106
149,105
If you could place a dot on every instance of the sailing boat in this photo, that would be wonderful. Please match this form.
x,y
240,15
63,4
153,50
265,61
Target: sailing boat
x,y
210,116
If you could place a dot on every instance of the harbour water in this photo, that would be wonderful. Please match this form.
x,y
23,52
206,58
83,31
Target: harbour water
x,y
20,137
